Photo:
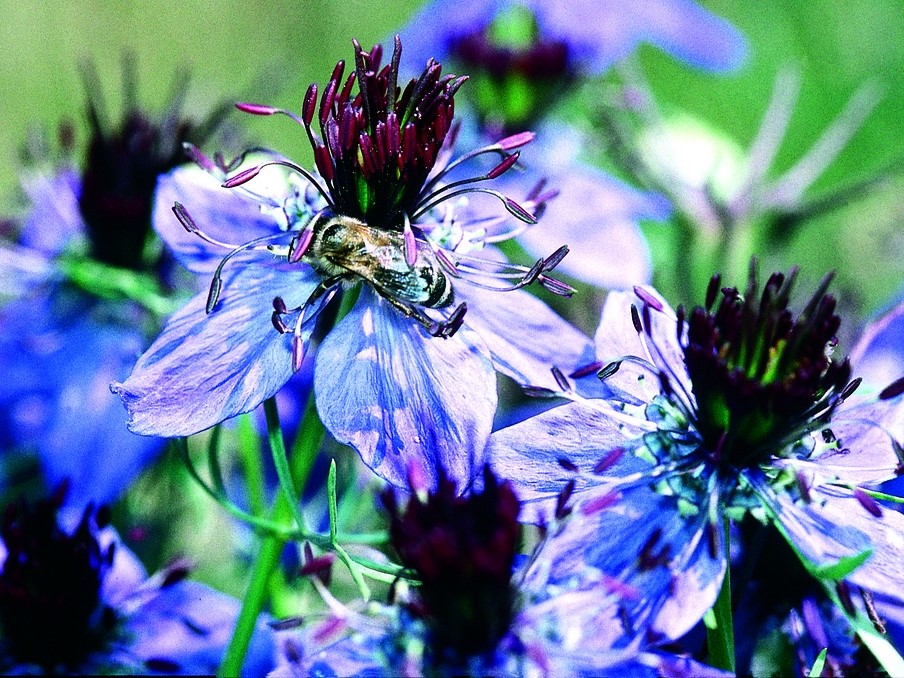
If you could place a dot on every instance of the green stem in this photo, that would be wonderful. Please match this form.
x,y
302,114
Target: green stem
x,y
720,636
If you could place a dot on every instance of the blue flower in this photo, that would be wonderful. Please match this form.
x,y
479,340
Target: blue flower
x,y
88,286
408,376
879,353
736,410
78,601
473,612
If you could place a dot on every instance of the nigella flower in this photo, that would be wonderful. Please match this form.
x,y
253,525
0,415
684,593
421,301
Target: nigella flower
x,y
79,602
472,613
735,409
93,284
408,376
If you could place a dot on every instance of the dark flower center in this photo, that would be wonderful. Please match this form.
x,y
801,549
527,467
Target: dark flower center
x,y
463,550
518,73
761,376
50,608
120,174
376,149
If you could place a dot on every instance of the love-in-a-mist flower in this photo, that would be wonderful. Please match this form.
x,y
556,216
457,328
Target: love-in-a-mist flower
x,y
76,601
89,283
525,59
408,376
738,409
473,612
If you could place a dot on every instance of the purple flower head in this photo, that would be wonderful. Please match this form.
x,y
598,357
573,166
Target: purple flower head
x,y
87,291
473,612
408,375
78,602
738,408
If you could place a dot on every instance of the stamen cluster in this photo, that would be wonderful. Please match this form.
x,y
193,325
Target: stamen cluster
x,y
50,608
463,550
760,375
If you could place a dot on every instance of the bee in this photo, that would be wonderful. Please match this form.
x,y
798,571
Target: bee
x,y
343,249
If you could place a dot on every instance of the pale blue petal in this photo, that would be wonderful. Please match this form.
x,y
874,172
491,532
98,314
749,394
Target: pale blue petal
x,y
527,453
401,397
22,269
223,214
55,217
203,368
525,336
878,356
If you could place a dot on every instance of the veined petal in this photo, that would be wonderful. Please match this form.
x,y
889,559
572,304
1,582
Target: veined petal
x,y
222,213
401,397
527,453
597,215
643,542
602,33
525,336
204,368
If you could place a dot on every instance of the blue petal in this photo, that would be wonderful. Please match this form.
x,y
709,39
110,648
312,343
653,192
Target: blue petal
x,y
203,368
401,397
681,577
525,336
58,357
55,217
602,33
191,625
597,216
22,269
878,356
527,453
223,214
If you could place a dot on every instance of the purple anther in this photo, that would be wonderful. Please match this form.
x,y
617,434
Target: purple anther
x,y
532,274
393,142
868,502
452,325
844,595
366,156
317,565
323,161
177,570
600,503
279,305
712,539
555,258
330,629
852,386
286,624
447,264
409,145
297,352
587,370
562,509
326,101
893,390
410,244
647,298
242,177
338,71
635,319
647,320
213,295
803,486
185,218
557,287
347,129
197,157
567,464
609,370
610,459
309,104
516,210
255,109
300,245
515,141
712,289
456,84
507,163
380,145
560,378
278,323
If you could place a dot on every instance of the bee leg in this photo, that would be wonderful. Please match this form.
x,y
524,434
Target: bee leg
x,y
444,328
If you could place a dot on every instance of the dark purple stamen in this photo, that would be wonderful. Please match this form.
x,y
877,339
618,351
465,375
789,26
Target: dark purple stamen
x,y
893,390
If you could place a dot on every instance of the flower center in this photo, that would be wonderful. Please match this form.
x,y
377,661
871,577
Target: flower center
x,y
463,550
520,73
50,608
761,376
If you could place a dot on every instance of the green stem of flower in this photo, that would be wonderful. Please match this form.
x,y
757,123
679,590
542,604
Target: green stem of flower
x,y
720,636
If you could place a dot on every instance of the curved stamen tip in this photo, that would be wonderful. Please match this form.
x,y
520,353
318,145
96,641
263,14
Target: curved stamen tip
x,y
213,296
515,141
516,210
300,245
255,109
297,352
242,177
893,390
648,299
196,156
184,218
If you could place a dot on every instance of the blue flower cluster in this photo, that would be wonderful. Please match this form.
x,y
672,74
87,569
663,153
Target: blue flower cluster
x,y
698,490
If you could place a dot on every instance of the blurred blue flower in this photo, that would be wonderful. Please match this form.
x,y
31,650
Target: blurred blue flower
x,y
473,613
408,375
88,285
879,353
736,409
77,601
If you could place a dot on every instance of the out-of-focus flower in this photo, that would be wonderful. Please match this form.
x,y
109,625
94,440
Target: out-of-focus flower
x,y
735,409
79,602
879,354
95,288
472,613
408,375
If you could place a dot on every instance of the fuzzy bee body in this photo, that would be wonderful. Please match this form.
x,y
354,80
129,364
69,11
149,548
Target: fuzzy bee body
x,y
346,248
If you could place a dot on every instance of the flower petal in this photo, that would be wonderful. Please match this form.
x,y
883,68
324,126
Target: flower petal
x,y
878,356
221,213
55,217
525,336
401,397
203,368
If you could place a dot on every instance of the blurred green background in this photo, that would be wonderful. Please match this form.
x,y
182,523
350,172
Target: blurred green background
x,y
271,49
